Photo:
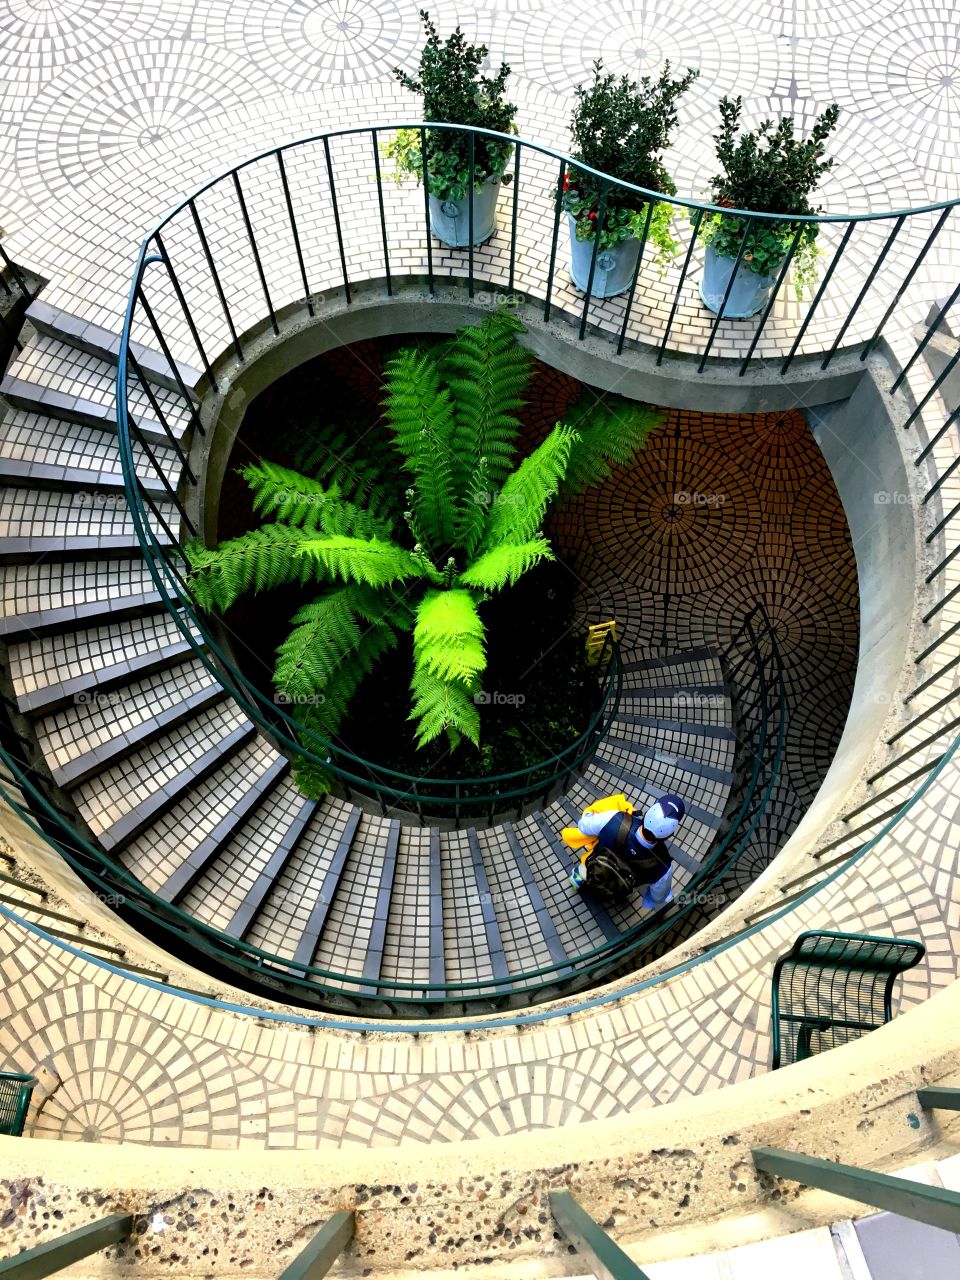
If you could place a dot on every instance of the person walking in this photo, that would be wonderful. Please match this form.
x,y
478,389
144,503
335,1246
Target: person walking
x,y
639,841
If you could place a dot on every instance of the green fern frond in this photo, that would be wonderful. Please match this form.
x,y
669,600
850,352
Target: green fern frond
x,y
518,510
443,706
258,560
487,371
298,500
610,433
323,634
421,415
448,636
503,565
372,562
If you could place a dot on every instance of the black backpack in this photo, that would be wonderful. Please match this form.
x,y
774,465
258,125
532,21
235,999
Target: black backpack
x,y
609,878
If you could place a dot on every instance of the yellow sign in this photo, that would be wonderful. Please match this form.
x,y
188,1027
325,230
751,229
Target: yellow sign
x,y
597,638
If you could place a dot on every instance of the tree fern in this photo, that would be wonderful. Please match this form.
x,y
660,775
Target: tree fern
x,y
373,562
420,413
298,500
258,560
443,706
448,636
357,461
505,564
610,433
519,508
487,371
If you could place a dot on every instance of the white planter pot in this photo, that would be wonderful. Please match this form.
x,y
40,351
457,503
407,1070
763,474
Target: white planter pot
x,y
450,219
614,270
749,293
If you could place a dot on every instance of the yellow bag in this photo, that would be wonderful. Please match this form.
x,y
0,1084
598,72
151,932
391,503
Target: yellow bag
x,y
574,838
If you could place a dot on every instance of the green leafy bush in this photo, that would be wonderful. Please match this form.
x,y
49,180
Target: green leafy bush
x,y
454,92
621,128
450,520
768,170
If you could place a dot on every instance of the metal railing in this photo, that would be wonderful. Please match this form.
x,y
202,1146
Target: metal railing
x,y
752,655
15,293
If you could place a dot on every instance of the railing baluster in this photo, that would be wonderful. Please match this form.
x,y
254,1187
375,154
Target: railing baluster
x,y
513,217
194,332
938,382
636,274
336,219
598,232
15,272
161,416
921,346
256,252
867,285
471,199
425,165
817,297
174,367
204,244
553,244
907,280
726,293
383,215
295,231
695,231
775,293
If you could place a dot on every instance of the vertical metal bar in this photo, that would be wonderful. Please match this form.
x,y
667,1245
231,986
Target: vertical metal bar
x,y
907,280
888,245
603,1257
11,334
323,1250
425,165
636,274
383,215
15,272
160,416
162,250
256,252
933,1205
216,280
601,214
795,244
726,293
937,384
471,197
939,1096
513,219
922,344
294,230
336,219
698,218
174,367
936,571
828,275
935,440
556,232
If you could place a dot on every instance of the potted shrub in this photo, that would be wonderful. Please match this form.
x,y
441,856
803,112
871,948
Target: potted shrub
x,y
621,128
767,171
454,91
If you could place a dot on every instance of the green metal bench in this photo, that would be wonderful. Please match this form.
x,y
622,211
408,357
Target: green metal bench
x,y
15,1091
831,988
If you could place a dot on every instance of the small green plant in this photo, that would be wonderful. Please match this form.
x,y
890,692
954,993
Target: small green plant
x,y
405,543
454,92
621,128
768,170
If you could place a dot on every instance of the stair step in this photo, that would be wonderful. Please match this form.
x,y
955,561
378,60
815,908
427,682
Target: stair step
x,y
43,522
491,926
50,671
97,341
681,763
691,727
169,766
310,937
59,594
248,910
177,885
35,398
409,953
373,960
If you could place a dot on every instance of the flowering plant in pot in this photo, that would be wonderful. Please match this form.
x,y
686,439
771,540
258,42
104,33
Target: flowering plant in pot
x,y
621,128
768,170
454,91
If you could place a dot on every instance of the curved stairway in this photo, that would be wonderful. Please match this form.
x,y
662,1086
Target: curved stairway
x,y
176,783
